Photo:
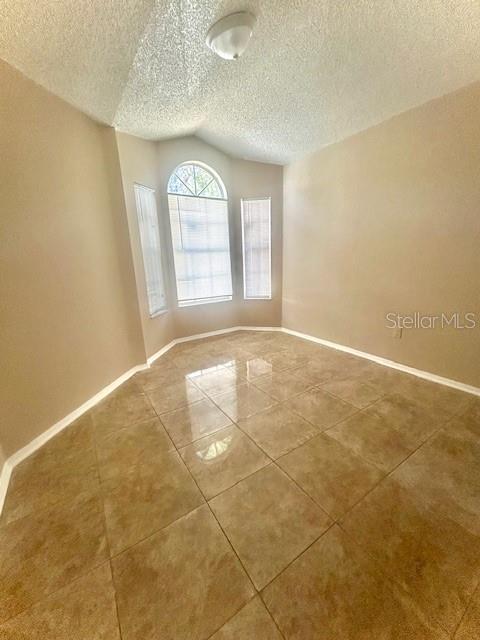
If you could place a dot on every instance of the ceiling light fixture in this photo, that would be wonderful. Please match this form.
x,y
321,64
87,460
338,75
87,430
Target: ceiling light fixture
x,y
229,37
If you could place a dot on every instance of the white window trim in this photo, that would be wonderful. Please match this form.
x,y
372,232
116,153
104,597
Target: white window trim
x,y
196,302
164,309
245,297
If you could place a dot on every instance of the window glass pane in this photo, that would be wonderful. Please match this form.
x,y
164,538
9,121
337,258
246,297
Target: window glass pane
x,y
150,241
175,185
185,173
195,180
256,237
202,179
212,190
201,249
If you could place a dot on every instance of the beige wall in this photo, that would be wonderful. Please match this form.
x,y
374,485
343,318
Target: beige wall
x,y
138,160
389,221
69,313
151,164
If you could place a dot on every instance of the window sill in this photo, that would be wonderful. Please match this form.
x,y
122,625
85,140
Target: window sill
x,y
158,313
196,303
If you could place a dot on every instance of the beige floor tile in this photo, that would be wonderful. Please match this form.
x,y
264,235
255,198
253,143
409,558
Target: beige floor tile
x,y
174,396
468,423
307,348
265,347
469,628
433,558
288,359
84,609
235,354
220,380
327,365
437,396
445,474
333,591
147,499
194,421
222,459
182,583
373,439
122,408
278,430
271,362
199,360
352,390
142,443
269,521
282,385
285,359
244,402
61,470
384,379
252,368
330,473
160,374
416,421
314,371
253,622
320,408
42,553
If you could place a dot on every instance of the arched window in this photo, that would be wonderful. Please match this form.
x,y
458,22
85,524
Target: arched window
x,y
196,179
197,202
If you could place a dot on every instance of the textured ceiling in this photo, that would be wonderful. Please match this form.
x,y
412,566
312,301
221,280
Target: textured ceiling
x,y
315,72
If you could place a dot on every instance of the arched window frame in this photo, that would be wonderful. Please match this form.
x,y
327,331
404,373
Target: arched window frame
x,y
196,191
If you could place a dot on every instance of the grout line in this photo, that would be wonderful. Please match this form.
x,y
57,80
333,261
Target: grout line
x,y
470,600
216,519
107,538
392,581
255,595
390,578
298,556
219,525
82,574
260,595
273,461
50,594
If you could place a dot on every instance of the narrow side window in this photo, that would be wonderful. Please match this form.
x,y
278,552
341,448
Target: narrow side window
x,y
257,248
150,241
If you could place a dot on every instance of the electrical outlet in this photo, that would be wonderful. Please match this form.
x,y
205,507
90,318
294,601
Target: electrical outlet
x,y
397,332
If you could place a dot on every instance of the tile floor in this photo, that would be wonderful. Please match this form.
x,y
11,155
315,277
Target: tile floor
x,y
251,486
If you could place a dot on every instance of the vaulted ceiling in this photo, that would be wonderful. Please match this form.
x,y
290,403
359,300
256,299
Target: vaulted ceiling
x,y
315,72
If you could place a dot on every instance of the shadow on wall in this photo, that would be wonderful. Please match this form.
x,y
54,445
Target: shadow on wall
x,y
387,221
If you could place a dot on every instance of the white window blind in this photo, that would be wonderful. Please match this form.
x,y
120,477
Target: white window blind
x,y
150,240
256,239
201,249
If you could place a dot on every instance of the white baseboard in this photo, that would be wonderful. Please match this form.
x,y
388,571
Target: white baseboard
x,y
160,352
40,440
426,375
4,480
44,437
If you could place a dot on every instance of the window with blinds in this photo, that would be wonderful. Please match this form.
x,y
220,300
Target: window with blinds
x,y
257,248
150,241
201,249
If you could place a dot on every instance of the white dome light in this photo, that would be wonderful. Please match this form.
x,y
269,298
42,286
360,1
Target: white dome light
x,y
229,37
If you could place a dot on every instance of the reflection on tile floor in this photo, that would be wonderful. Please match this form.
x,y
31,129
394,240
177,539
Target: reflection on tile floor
x,y
251,485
